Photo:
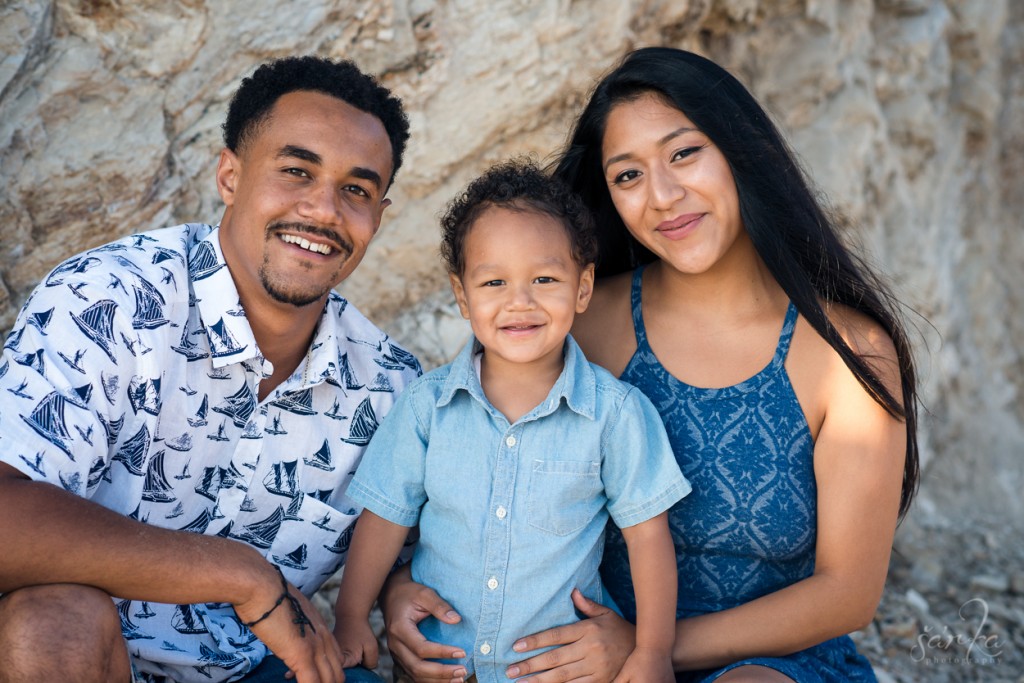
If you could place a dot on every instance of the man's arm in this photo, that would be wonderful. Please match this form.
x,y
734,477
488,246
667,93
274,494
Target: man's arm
x,y
53,536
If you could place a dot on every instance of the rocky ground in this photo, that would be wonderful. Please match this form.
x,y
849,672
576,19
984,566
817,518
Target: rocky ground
x,y
953,609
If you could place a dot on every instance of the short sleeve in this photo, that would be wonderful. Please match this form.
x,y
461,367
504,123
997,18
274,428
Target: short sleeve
x,y
59,407
641,476
389,479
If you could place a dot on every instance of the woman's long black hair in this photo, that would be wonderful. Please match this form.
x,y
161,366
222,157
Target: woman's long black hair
x,y
790,230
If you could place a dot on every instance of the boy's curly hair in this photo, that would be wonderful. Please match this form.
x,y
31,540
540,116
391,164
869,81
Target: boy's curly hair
x,y
517,185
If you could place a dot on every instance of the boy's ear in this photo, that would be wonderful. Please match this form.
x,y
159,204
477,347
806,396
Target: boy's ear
x,y
586,288
460,294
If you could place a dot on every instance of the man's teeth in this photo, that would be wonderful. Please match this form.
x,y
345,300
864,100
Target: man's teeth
x,y
306,244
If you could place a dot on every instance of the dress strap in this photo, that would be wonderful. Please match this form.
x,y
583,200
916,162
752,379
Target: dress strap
x,y
787,333
635,300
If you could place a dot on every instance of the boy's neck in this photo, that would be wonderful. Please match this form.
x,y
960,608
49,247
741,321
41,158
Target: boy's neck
x,y
517,388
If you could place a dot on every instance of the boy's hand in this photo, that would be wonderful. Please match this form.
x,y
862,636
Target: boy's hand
x,y
647,666
357,642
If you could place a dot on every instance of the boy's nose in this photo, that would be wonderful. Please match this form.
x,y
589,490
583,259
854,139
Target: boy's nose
x,y
520,298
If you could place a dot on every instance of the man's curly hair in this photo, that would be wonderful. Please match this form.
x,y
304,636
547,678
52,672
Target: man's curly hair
x,y
252,103
516,185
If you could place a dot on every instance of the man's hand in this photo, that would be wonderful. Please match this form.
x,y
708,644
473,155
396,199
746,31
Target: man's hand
x,y
405,604
295,632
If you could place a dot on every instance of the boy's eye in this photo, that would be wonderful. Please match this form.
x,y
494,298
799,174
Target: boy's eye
x,y
544,279
493,283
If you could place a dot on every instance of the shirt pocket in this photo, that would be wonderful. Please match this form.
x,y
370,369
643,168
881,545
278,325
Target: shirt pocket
x,y
564,495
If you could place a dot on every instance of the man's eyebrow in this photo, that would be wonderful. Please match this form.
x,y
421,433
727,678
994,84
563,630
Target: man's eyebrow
x,y
299,153
368,174
662,141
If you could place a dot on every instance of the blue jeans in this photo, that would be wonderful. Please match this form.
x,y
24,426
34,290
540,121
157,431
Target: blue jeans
x,y
272,670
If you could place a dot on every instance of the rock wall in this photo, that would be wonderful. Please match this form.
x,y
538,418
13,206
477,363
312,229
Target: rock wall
x,y
908,113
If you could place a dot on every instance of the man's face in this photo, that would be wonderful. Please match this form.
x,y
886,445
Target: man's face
x,y
304,196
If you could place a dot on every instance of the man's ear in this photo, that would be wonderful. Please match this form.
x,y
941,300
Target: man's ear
x,y
229,167
384,203
586,288
460,294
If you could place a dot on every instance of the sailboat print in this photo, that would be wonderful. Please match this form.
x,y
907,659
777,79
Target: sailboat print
x,y
164,254
292,513
364,424
97,323
145,612
187,620
76,363
210,482
133,451
248,505
37,465
144,394
252,431
281,480
184,473
348,375
296,559
321,459
149,307
298,402
129,630
74,265
199,524
200,419
261,534
112,428
239,406
72,483
189,348
222,342
32,360
381,383
85,434
341,545
203,262
335,412
324,522
156,488
178,511
40,320
96,472
219,373
110,386
323,495
47,419
275,426
221,660
219,436
180,443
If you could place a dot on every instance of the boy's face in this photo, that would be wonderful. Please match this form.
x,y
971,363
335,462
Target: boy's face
x,y
521,287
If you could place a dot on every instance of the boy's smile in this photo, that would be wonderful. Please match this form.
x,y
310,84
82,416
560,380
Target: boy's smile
x,y
521,288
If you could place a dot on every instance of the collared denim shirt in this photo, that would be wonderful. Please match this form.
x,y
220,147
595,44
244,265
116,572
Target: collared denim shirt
x,y
512,516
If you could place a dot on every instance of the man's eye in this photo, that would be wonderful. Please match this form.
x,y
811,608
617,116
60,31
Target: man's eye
x,y
296,172
355,189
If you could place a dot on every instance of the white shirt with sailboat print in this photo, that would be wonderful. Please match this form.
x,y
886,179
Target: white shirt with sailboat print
x,y
130,378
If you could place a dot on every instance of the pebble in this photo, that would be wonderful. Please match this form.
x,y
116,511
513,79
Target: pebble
x,y
996,583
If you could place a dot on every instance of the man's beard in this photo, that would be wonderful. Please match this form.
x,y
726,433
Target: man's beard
x,y
278,290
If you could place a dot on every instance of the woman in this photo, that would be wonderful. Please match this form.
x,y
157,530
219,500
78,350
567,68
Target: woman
x,y
800,444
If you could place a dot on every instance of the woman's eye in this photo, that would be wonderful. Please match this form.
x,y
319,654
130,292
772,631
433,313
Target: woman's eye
x,y
626,176
685,152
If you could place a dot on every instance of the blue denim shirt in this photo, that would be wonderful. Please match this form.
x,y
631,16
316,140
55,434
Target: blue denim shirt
x,y
512,516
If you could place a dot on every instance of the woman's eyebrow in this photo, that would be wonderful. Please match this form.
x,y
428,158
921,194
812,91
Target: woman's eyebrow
x,y
623,157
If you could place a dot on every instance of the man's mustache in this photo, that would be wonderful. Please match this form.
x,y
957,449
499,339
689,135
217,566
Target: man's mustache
x,y
311,229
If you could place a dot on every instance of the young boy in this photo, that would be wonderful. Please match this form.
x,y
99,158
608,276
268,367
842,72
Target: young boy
x,y
512,458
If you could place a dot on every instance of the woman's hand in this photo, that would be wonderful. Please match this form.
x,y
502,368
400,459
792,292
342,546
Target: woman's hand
x,y
405,604
593,649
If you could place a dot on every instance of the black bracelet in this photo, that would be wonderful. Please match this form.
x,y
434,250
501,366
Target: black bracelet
x,y
301,620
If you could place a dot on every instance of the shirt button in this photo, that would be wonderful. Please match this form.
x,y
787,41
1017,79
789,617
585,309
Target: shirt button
x,y
492,583
485,649
510,441
501,512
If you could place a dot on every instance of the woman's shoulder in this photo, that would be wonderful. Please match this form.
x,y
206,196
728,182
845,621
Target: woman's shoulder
x,y
605,330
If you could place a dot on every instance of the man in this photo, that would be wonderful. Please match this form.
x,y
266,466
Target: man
x,y
182,410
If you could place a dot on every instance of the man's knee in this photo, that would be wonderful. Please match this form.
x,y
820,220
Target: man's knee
x,y
61,632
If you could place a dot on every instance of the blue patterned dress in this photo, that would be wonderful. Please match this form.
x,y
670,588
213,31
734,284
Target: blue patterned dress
x,y
748,527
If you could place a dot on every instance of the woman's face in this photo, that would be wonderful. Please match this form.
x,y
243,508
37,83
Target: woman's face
x,y
670,184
